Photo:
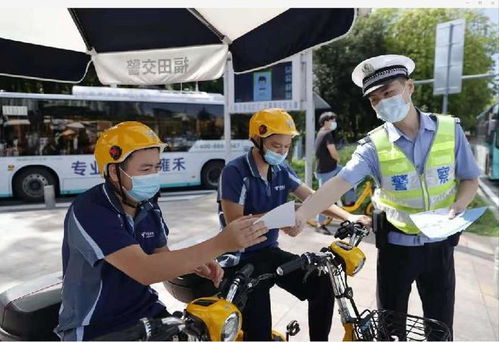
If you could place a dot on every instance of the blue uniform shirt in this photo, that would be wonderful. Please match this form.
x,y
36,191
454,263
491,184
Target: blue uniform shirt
x,y
97,298
241,183
364,160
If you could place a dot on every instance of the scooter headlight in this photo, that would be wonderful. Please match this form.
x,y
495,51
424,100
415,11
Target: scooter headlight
x,y
231,327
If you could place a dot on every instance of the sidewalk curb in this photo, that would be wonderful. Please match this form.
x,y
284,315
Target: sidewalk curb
x,y
493,197
165,197
485,191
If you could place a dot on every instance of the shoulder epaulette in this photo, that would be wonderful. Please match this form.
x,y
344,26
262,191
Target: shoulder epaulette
x,y
364,140
433,116
367,138
375,130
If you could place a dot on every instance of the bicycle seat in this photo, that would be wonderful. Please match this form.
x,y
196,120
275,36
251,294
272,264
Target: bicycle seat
x,y
30,311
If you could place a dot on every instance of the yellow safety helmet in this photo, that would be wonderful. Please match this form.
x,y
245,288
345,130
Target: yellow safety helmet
x,y
117,142
272,121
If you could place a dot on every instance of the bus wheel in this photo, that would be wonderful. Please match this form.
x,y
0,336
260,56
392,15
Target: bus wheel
x,y
28,185
210,174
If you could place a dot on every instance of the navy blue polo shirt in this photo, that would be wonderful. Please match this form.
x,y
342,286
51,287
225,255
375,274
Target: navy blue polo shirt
x,y
241,183
97,298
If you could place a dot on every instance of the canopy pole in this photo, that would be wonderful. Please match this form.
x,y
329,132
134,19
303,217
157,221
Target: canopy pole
x,y
228,91
309,117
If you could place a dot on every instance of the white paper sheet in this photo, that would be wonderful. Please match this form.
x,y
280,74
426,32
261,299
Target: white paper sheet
x,y
280,217
436,223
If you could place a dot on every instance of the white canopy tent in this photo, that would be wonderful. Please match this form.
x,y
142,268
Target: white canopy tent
x,y
151,46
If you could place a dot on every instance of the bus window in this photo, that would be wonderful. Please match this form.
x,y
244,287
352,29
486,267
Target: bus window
x,y
50,138
240,125
181,125
487,141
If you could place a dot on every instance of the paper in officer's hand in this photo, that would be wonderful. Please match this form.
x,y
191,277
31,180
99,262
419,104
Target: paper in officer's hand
x,y
436,223
280,217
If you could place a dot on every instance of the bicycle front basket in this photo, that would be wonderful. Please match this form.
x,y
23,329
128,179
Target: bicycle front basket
x,y
387,325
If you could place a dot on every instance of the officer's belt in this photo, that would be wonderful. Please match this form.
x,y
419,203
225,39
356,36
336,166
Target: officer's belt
x,y
400,239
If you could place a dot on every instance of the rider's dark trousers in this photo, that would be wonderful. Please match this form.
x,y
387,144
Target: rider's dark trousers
x,y
431,266
257,318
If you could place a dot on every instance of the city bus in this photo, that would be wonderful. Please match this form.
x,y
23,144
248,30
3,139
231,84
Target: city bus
x,y
50,139
487,142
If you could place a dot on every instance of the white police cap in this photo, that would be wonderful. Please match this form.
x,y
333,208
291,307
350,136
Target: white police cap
x,y
375,72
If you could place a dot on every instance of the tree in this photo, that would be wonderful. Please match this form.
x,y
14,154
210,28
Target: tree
x,y
333,66
413,33
409,32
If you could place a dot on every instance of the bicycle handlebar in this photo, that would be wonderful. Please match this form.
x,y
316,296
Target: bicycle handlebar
x,y
354,230
240,278
165,328
246,271
293,265
135,332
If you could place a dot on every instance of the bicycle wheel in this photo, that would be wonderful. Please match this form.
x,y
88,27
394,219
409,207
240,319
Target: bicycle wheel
x,y
387,325
369,209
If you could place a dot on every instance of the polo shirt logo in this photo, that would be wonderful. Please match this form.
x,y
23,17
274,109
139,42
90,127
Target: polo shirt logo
x,y
147,235
279,188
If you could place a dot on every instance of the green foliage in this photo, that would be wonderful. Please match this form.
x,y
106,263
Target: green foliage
x,y
333,66
409,32
298,166
413,34
487,224
345,155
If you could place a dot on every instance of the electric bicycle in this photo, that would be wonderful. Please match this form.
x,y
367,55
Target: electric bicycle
x,y
219,317
366,193
343,259
29,311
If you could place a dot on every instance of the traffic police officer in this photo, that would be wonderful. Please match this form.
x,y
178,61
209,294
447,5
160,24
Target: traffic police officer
x,y
420,161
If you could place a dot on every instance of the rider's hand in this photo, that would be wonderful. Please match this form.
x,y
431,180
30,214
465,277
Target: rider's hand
x,y
455,210
242,233
363,219
212,271
293,231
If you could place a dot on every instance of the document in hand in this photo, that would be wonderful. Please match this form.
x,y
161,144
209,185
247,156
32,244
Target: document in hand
x,y
280,217
436,223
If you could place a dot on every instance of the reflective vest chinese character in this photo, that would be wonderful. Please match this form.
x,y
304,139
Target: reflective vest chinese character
x,y
402,191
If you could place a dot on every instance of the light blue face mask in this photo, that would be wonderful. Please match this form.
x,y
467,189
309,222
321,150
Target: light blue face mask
x,y
143,187
392,109
274,158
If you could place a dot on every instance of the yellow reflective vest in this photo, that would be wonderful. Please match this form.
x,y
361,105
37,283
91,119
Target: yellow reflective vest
x,y
402,190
